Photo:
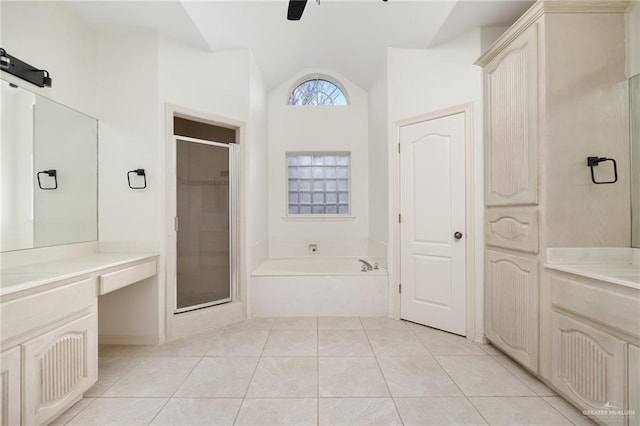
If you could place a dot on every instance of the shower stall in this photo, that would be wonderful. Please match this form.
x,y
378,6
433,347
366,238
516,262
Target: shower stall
x,y
206,203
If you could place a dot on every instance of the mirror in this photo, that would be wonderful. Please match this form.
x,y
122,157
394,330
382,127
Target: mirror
x,y
634,110
49,172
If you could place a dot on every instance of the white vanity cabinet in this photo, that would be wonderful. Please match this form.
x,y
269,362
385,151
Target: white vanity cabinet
x,y
58,367
49,330
547,82
595,360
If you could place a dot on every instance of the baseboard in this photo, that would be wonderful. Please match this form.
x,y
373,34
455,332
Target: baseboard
x,y
106,339
481,339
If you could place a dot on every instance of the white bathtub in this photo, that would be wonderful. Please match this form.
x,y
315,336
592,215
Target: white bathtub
x,y
318,287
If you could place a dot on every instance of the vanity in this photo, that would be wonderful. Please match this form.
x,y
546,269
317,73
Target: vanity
x,y
53,270
49,329
595,338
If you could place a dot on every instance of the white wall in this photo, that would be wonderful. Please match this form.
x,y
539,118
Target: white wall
x,y
46,35
422,81
257,173
378,169
318,128
633,39
127,104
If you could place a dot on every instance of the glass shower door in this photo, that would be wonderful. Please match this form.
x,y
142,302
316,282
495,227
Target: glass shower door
x,y
204,203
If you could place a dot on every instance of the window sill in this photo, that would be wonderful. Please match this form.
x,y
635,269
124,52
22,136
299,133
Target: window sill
x,y
319,218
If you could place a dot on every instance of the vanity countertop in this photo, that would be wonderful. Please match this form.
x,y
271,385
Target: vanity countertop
x,y
33,275
614,265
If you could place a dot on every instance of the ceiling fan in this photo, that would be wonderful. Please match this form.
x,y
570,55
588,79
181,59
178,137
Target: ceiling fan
x,y
296,7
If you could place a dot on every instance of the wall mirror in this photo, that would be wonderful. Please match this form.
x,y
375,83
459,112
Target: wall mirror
x,y
49,172
634,110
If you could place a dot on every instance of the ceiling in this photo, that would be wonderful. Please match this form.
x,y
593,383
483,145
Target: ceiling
x,y
348,36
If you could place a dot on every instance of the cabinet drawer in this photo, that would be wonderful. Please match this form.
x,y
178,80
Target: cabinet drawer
x,y
513,228
617,307
58,367
589,365
124,277
27,313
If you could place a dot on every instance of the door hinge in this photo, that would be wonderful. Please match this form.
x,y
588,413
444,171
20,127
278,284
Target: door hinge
x,y
398,148
175,223
399,218
400,288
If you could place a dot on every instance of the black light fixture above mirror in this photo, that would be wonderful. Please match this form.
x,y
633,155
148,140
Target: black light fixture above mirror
x,y
296,7
21,69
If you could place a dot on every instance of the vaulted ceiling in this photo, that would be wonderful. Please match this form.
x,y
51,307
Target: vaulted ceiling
x,y
349,36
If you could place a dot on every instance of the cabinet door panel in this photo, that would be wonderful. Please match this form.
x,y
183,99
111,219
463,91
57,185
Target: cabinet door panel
x,y
10,387
512,306
514,228
589,366
58,367
511,123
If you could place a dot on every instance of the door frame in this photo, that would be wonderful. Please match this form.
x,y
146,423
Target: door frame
x,y
394,202
187,323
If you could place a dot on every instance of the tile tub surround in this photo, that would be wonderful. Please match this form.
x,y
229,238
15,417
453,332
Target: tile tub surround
x,y
615,265
345,374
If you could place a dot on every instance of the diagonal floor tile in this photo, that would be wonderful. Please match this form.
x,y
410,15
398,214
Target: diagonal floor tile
x,y
574,415
524,376
198,411
416,376
292,343
350,377
285,377
483,376
119,411
438,411
343,343
518,411
216,377
442,343
110,370
278,411
358,411
239,343
395,343
153,377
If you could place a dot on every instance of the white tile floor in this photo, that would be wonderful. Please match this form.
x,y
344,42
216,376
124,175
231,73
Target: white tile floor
x,y
317,371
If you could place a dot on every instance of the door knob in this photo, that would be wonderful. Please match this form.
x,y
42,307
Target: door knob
x,y
457,235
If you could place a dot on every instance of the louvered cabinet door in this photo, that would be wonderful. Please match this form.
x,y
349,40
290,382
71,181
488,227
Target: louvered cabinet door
x,y
511,313
58,367
511,123
589,366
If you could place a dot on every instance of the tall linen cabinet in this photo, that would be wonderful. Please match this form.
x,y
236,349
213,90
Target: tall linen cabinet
x,y
554,94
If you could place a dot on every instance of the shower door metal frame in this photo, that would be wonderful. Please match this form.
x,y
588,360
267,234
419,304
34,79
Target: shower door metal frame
x,y
234,237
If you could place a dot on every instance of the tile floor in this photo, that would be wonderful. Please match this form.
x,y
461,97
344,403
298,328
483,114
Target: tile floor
x,y
317,371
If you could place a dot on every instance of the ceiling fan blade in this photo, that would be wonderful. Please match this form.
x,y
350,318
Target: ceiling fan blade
x,y
296,7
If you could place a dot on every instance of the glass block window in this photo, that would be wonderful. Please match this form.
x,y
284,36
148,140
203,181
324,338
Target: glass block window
x,y
317,92
318,183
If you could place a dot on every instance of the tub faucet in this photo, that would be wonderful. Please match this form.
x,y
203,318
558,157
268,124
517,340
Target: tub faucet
x,y
366,264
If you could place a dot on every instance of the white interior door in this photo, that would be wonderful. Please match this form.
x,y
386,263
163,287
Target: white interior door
x,y
432,192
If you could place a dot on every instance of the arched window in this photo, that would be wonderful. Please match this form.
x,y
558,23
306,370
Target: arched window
x,y
317,91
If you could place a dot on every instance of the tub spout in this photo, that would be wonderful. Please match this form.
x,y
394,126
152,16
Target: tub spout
x,y
366,264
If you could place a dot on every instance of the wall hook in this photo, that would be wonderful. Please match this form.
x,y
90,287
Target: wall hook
x,y
51,173
138,172
594,161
